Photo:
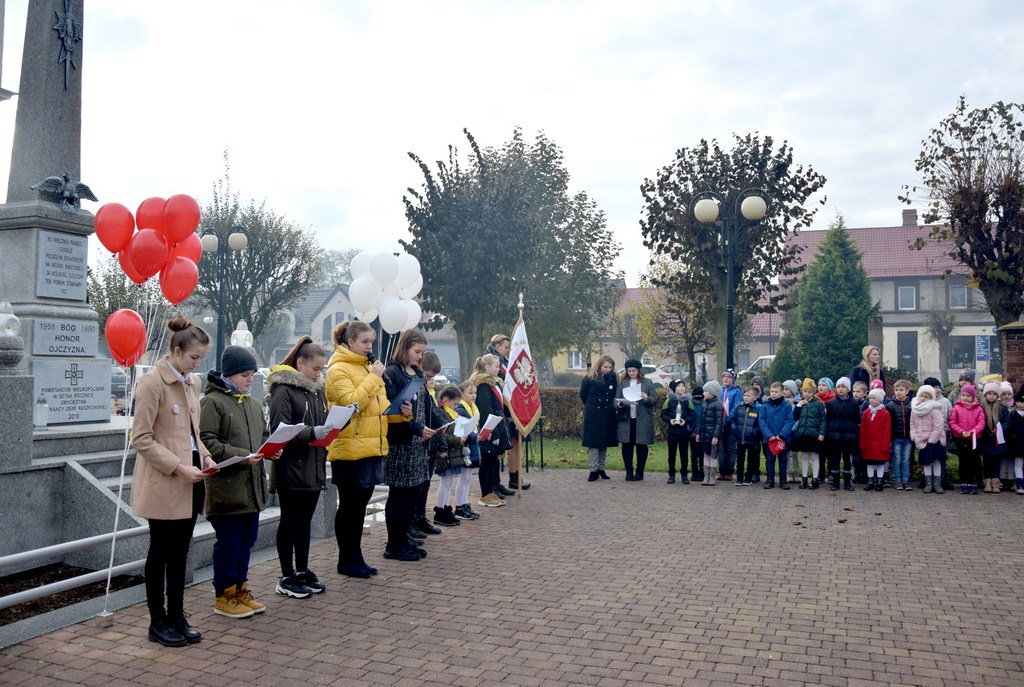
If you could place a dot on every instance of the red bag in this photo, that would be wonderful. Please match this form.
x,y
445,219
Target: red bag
x,y
776,446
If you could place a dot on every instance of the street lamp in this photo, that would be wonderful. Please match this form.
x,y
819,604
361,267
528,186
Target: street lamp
x,y
215,242
751,206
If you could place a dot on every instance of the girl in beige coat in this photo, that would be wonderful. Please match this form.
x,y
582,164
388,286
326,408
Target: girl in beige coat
x,y
167,486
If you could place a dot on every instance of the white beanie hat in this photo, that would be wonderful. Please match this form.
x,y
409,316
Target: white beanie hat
x,y
844,381
877,393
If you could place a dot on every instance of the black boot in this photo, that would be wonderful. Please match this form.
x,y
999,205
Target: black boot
x,y
815,483
871,484
500,490
671,478
425,525
848,480
783,484
602,474
835,480
803,483
593,476
513,482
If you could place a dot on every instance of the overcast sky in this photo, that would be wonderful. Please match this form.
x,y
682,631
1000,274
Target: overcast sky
x,y
319,102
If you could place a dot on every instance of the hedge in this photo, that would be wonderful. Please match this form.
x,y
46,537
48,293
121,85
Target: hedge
x,y
563,413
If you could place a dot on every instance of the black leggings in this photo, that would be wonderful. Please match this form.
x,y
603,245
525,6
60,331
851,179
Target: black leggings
x,y
399,513
293,531
348,521
169,542
677,443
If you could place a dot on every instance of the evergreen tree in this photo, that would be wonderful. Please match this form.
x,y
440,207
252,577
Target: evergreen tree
x,y
829,325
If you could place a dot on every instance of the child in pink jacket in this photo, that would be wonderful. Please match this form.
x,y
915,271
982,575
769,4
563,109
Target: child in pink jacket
x,y
928,432
967,422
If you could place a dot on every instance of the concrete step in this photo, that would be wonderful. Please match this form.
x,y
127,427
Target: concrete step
x,y
68,440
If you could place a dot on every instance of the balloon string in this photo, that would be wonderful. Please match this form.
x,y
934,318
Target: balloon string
x,y
129,383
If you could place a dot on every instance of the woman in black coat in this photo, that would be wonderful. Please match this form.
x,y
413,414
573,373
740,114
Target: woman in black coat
x,y
599,418
869,368
300,474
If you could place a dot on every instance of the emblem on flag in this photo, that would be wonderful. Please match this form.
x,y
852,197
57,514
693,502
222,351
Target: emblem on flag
x,y
522,393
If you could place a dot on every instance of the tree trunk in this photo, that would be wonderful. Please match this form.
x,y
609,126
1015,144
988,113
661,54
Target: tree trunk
x,y
691,358
469,336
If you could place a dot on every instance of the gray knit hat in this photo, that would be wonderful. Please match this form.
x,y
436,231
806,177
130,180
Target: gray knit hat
x,y
792,386
713,387
236,359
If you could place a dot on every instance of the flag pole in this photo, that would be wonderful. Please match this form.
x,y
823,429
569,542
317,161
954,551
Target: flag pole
x,y
519,435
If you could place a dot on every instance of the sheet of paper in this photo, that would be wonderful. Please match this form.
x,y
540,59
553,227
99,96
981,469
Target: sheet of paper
x,y
441,429
278,438
465,426
1000,437
406,394
631,393
337,418
227,463
491,422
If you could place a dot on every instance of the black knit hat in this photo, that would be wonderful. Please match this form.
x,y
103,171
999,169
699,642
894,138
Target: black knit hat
x,y
698,391
236,359
633,362
933,382
1019,396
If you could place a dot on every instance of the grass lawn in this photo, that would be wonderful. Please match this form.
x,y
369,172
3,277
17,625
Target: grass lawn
x,y
568,453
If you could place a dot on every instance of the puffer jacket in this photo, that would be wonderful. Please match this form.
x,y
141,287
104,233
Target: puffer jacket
x,y
230,425
988,444
966,418
743,423
809,424
349,380
842,421
297,399
926,423
899,412
776,420
683,407
711,421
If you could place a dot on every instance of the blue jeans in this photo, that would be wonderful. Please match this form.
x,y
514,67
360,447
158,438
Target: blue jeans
x,y
769,460
901,460
236,535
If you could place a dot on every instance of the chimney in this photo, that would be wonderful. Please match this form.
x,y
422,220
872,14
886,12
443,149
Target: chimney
x,y
910,218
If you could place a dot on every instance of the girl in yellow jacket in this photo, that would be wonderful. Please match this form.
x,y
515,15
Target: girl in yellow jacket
x,y
357,453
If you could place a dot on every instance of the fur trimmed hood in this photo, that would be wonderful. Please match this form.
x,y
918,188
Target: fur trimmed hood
x,y
289,376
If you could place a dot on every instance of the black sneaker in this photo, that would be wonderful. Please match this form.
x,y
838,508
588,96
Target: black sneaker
x,y
416,533
164,634
464,512
400,554
309,579
502,491
293,587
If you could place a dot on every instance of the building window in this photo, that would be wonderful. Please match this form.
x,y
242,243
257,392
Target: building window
x,y
327,330
958,296
961,352
575,360
647,359
906,298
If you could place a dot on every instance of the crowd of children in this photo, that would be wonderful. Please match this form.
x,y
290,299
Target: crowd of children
x,y
842,433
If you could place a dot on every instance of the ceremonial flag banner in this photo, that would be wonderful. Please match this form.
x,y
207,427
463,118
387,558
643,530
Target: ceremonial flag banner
x,y
522,392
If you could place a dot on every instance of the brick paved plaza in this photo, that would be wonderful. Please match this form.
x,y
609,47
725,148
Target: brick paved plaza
x,y
617,583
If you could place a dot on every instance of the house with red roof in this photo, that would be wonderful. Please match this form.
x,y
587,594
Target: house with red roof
x,y
908,285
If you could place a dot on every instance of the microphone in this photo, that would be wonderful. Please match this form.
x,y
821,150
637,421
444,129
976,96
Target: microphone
x,y
371,358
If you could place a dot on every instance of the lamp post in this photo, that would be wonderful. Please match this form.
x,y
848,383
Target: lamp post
x,y
215,241
751,206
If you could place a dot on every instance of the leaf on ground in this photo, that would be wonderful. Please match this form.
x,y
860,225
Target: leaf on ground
x,y
877,513
797,522
841,520
848,508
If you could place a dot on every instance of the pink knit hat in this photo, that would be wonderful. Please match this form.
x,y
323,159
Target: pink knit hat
x,y
877,384
991,386
1005,388
969,390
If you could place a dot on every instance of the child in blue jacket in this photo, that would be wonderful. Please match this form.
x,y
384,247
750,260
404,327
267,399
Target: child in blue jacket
x,y
776,422
743,428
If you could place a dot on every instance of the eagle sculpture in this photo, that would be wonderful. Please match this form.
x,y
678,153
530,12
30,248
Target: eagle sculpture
x,y
66,193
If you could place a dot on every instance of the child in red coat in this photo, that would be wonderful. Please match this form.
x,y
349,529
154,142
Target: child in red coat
x,y
875,439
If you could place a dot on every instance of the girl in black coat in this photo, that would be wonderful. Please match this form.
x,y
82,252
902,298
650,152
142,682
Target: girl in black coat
x,y
842,436
300,474
679,418
598,395
489,401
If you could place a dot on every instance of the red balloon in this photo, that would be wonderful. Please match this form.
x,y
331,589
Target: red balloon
x,y
126,336
148,252
114,226
129,269
179,279
191,248
150,214
181,217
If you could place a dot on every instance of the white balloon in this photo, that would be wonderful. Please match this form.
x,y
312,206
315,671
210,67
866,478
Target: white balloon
x,y
392,315
368,316
414,312
384,268
363,294
391,291
408,269
360,265
413,289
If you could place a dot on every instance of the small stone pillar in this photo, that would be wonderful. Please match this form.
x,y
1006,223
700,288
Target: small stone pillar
x,y
16,390
1013,352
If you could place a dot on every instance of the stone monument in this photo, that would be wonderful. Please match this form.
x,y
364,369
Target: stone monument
x,y
44,245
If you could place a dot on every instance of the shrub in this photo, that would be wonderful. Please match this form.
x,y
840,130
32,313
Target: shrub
x,y
563,412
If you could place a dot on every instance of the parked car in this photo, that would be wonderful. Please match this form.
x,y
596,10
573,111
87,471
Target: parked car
x,y
760,365
440,381
453,374
676,370
657,375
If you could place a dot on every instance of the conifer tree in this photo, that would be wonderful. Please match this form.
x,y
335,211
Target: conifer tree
x,y
829,324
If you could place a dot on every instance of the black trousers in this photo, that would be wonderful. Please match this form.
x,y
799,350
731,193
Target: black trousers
x,y
677,443
399,513
489,472
837,452
425,489
348,521
696,460
969,462
293,531
627,452
169,542
748,456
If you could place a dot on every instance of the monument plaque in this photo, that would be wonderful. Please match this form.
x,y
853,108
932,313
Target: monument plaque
x,y
75,391
63,260
65,337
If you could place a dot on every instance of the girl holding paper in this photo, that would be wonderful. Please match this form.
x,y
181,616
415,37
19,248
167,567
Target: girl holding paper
x,y
300,474
489,401
993,439
168,488
636,418
231,424
357,453
966,422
